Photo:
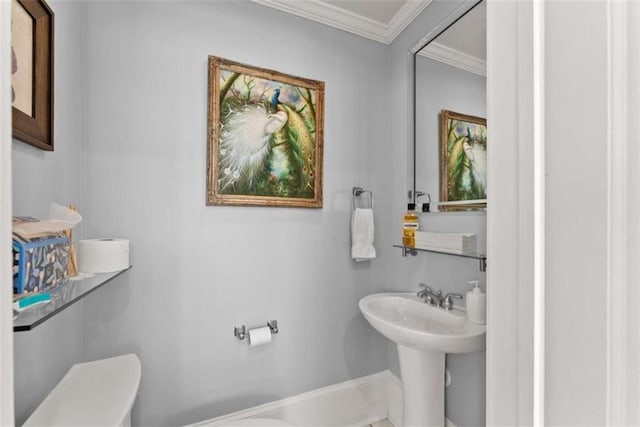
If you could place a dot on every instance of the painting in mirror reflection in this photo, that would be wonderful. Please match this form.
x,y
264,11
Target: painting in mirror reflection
x,y
463,163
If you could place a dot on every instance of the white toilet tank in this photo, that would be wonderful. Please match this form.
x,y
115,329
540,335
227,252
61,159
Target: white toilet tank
x,y
99,393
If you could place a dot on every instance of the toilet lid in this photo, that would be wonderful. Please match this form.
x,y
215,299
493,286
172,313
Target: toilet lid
x,y
255,422
99,393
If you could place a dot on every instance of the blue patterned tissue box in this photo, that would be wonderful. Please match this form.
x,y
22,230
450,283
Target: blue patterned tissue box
x,y
39,263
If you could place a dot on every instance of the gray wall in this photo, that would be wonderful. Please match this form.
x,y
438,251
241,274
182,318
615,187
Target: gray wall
x,y
44,355
465,398
198,271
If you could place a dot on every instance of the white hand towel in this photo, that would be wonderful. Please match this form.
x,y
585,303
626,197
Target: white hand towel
x,y
362,235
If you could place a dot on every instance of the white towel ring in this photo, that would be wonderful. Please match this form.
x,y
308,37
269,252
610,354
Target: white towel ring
x,y
357,193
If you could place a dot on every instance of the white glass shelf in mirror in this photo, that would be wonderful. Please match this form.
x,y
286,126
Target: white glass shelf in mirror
x,y
482,258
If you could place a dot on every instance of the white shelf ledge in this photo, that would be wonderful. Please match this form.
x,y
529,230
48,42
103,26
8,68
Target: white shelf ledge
x,y
62,297
482,258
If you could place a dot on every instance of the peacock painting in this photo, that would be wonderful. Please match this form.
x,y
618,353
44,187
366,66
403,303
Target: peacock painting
x,y
265,137
463,174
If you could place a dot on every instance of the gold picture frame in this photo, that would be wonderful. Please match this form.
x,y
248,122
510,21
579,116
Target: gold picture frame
x,y
463,159
265,139
32,72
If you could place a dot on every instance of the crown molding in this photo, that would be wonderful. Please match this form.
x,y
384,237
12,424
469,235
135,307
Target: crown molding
x,y
353,23
455,58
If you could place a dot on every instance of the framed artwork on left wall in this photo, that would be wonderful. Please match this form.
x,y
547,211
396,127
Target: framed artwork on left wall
x,y
32,72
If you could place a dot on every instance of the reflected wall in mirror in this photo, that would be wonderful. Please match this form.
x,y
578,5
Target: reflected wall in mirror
x,y
450,96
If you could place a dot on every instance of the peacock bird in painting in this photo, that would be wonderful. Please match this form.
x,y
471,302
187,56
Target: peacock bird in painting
x,y
477,161
266,146
245,143
467,163
274,100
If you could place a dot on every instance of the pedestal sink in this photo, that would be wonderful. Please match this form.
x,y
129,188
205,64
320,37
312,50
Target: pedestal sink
x,y
423,335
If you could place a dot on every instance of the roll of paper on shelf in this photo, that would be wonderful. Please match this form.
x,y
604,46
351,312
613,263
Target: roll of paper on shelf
x,y
103,255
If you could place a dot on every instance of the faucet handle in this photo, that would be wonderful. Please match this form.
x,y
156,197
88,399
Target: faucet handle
x,y
422,293
428,289
454,295
447,303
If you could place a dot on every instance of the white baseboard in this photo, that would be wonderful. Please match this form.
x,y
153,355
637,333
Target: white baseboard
x,y
354,403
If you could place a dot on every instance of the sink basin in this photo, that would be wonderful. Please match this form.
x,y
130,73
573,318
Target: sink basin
x,y
407,320
423,335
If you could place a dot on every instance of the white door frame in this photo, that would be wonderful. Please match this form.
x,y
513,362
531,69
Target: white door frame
x,y
6,312
623,222
515,333
510,229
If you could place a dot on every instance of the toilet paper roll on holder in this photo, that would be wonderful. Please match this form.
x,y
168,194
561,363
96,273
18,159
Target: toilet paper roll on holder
x,y
240,332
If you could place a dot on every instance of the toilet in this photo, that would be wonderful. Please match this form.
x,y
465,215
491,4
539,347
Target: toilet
x,y
98,393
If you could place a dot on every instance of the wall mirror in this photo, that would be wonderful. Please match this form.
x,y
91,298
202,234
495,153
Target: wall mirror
x,y
449,111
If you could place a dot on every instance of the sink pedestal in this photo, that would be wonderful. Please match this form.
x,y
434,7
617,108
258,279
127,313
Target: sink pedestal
x,y
422,374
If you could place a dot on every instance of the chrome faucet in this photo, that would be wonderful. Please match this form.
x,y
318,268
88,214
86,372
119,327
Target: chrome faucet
x,y
435,298
447,303
429,296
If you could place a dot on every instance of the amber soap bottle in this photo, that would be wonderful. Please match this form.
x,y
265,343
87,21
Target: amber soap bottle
x,y
410,226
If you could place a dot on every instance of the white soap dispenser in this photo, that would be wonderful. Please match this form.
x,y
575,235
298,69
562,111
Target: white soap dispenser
x,y
476,304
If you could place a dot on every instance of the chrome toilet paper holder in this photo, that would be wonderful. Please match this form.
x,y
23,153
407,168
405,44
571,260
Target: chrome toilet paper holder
x,y
240,332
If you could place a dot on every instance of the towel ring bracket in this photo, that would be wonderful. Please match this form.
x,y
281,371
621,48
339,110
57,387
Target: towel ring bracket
x,y
357,193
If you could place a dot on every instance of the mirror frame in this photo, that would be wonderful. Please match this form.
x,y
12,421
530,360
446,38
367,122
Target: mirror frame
x,y
440,28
